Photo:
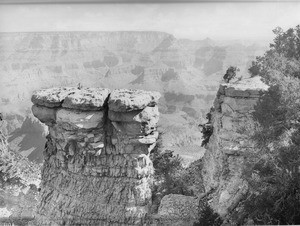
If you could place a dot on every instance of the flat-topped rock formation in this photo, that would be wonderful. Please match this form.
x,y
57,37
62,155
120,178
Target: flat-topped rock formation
x,y
97,169
232,126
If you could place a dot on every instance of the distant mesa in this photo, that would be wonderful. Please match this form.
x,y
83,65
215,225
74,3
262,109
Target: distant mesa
x,y
171,96
210,59
140,72
169,75
165,44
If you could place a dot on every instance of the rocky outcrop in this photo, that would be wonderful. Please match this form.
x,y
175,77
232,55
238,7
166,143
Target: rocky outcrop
x,y
97,169
178,210
232,127
19,181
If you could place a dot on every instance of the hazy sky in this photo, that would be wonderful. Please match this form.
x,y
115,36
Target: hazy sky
x,y
194,21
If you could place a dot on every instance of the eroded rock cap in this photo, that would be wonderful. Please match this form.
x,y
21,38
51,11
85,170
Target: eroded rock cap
x,y
122,100
249,87
83,108
71,97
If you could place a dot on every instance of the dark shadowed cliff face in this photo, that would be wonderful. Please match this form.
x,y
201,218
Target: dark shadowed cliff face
x,y
19,181
29,139
232,127
97,169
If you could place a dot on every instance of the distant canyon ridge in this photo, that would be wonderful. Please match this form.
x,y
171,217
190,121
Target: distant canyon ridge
x,y
187,73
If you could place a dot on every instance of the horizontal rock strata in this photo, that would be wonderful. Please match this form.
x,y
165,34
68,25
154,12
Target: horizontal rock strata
x,y
97,169
232,127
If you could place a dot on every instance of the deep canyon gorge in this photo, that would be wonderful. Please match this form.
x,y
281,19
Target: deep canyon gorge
x,y
101,100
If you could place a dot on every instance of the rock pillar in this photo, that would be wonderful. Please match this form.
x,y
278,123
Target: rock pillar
x,y
97,169
232,127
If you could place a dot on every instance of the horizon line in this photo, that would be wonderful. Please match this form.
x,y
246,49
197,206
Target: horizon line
x,y
140,31
51,2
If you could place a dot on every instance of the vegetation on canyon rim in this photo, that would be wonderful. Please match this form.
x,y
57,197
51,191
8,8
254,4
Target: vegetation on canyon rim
x,y
171,177
272,167
272,170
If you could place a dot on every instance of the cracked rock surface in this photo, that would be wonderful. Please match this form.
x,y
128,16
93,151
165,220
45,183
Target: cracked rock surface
x,y
232,127
123,100
177,210
97,168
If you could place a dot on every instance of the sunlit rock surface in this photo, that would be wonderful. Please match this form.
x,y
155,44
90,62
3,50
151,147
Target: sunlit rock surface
x,y
123,100
97,169
232,127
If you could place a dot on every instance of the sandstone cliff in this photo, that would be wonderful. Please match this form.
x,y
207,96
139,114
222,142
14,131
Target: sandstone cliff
x,y
97,169
232,127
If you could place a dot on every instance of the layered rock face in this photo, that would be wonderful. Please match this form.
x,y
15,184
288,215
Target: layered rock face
x,y
232,127
97,169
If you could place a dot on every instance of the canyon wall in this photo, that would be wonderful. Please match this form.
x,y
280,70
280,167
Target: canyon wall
x,y
19,181
232,125
97,169
185,72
